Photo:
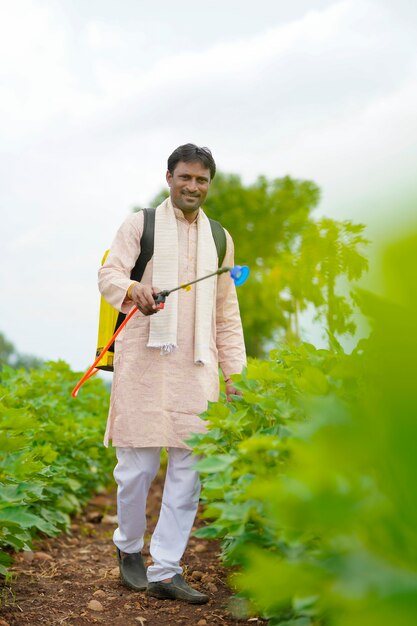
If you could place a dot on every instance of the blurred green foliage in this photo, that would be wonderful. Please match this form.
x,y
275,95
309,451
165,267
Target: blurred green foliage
x,y
50,459
10,356
296,261
309,477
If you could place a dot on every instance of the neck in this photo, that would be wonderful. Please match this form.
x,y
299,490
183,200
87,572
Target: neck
x,y
190,217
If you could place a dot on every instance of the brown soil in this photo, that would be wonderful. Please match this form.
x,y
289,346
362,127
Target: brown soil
x,y
56,583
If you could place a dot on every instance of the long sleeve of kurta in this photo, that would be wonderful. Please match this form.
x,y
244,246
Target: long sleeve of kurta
x,y
114,276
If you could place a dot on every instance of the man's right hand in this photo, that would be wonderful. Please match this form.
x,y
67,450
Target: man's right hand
x,y
143,297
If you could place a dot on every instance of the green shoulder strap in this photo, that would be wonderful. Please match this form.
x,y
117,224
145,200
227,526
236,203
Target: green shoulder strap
x,y
219,237
146,245
146,253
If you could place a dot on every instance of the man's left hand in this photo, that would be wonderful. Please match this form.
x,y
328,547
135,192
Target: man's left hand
x,y
231,390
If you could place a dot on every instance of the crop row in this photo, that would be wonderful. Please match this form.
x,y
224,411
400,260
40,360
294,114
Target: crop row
x,y
51,457
308,478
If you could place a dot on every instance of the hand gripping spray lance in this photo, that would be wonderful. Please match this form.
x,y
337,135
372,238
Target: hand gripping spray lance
x,y
238,273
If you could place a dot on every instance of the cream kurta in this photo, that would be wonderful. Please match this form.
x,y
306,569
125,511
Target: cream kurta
x,y
156,398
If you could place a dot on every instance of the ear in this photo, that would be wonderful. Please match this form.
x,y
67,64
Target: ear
x,y
169,178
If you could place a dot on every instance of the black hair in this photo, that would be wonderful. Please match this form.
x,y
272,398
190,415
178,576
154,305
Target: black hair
x,y
190,152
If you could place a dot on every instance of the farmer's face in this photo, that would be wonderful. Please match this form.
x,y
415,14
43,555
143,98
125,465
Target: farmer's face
x,y
189,184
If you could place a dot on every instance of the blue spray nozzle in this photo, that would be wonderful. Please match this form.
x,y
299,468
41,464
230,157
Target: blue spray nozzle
x,y
239,273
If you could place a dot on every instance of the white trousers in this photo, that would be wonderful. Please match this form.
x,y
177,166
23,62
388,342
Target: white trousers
x,y
135,470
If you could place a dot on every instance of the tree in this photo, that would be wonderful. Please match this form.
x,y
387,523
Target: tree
x,y
6,349
333,251
295,260
10,356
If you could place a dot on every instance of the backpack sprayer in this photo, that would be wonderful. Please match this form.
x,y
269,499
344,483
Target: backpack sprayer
x,y
238,273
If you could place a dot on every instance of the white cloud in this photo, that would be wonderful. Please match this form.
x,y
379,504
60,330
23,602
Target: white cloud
x,y
90,110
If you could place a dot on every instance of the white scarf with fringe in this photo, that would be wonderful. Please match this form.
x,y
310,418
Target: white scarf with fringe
x,y
163,325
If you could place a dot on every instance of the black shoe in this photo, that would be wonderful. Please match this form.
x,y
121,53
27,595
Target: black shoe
x,y
178,589
132,571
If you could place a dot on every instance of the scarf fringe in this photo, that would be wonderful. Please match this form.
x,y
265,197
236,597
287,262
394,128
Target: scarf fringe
x,y
167,348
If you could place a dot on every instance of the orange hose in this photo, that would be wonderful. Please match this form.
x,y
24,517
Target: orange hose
x,y
91,370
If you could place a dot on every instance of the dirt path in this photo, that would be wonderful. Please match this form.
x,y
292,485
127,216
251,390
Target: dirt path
x,y
73,579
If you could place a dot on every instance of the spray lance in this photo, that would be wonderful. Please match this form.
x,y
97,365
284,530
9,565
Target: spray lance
x,y
238,273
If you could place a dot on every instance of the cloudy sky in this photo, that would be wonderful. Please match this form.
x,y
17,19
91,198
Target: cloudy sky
x,y
95,94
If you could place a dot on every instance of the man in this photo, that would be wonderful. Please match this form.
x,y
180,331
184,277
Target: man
x,y
166,369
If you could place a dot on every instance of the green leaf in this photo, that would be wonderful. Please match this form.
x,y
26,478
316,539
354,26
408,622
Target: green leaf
x,y
18,517
313,381
216,463
209,532
297,621
3,570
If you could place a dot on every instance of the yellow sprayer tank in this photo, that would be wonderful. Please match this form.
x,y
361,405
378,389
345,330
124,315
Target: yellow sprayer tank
x,y
106,326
